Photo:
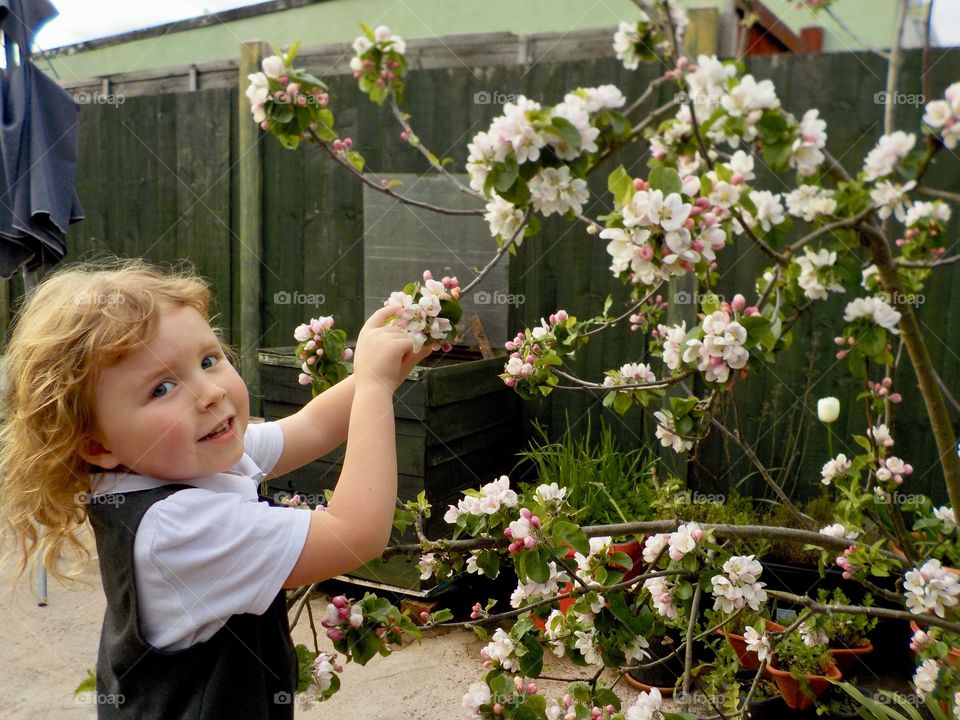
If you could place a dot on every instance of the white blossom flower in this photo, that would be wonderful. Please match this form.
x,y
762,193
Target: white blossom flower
x,y
646,706
503,217
835,468
806,154
883,159
553,190
812,636
749,95
661,595
769,209
477,694
586,643
666,433
890,198
654,545
875,309
273,66
500,650
636,651
812,280
931,588
926,211
809,202
684,540
673,338
644,208
757,643
837,530
739,587
945,515
426,566
925,678
937,113
551,493
625,41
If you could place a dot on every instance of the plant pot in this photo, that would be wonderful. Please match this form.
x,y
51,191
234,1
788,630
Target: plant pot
x,y
792,689
748,659
953,659
663,676
846,659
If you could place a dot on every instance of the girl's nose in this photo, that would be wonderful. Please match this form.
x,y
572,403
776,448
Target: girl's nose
x,y
211,396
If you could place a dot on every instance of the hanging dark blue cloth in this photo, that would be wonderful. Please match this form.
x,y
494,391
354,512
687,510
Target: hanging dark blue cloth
x,y
39,137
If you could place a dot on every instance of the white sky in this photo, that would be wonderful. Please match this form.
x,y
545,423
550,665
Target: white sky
x,y
81,20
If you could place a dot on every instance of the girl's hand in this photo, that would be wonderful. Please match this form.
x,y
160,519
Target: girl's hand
x,y
384,353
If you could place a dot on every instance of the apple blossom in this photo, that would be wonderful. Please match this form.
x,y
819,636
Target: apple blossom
x,y
890,198
810,202
552,190
477,694
646,706
666,433
503,217
945,515
625,41
931,588
739,587
925,678
769,209
839,531
757,643
812,280
874,309
812,635
551,493
890,150
683,540
500,651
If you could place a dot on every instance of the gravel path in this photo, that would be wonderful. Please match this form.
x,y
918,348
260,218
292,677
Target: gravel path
x,y
46,651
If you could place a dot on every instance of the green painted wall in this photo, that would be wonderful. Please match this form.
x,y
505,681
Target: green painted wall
x,y
336,21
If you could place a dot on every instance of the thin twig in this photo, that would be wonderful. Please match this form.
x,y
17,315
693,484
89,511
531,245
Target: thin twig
x,y
431,158
500,253
386,190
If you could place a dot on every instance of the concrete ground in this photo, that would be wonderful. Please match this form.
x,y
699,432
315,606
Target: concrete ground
x,y
46,651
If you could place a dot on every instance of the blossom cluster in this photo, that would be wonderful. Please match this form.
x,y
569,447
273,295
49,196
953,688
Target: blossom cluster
x,y
757,642
488,500
883,159
739,587
550,139
321,351
289,102
931,588
429,310
534,353
638,40
379,63
943,116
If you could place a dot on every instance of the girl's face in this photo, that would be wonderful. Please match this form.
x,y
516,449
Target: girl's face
x,y
174,408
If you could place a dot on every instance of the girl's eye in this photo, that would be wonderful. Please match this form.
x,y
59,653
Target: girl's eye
x,y
162,389
209,361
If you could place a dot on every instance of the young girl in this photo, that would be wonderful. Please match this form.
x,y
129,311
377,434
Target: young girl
x,y
122,407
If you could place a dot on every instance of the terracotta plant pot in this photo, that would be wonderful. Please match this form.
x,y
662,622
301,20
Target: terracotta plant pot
x,y
748,660
953,659
847,658
792,690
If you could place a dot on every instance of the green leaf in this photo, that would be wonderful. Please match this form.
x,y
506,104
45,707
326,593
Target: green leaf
x,y
622,402
572,534
665,179
620,184
355,159
88,684
566,131
505,174
621,560
368,31
441,615
537,566
531,662
489,562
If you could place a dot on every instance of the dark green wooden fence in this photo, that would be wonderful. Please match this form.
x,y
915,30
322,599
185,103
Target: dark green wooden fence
x,y
158,179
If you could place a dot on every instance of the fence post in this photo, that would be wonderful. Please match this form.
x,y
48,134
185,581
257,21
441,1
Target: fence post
x,y
248,240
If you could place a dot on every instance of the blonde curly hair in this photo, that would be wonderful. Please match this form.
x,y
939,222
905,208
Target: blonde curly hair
x,y
79,319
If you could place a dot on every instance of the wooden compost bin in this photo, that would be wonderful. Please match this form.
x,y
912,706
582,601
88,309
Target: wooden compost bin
x,y
457,427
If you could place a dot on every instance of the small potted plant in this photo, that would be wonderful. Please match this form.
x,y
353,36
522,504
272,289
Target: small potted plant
x,y
802,672
845,633
837,704
735,631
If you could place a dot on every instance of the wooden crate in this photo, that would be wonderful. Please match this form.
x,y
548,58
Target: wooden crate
x,y
457,427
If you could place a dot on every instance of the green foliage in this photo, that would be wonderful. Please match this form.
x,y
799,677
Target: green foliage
x,y
605,483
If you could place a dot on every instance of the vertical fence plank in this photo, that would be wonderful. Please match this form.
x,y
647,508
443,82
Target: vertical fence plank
x,y
248,239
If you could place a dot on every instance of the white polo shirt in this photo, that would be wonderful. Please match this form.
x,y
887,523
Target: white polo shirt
x,y
213,550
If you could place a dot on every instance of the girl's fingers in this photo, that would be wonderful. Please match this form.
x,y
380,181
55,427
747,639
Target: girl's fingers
x,y
381,316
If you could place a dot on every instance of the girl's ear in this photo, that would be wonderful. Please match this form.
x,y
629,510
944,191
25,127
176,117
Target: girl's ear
x,y
93,451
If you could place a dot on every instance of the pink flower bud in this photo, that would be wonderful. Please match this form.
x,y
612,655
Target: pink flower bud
x,y
851,341
739,302
379,82
646,251
340,601
510,382
531,359
425,616
737,179
639,184
525,513
265,125
497,709
839,340
567,700
531,688
529,541
446,347
702,203
695,211
335,634
896,397
882,392
901,242
697,535
347,354
610,709
516,355
508,532
689,223
535,521
841,355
